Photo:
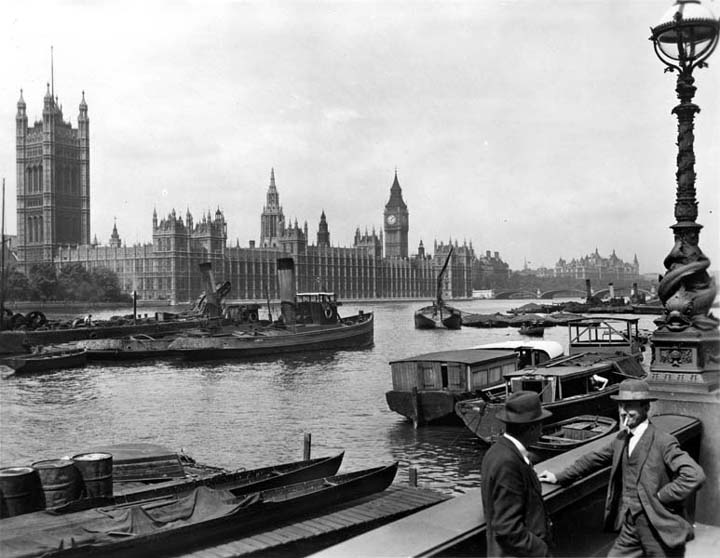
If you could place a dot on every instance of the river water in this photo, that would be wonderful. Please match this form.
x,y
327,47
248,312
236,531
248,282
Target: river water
x,y
254,413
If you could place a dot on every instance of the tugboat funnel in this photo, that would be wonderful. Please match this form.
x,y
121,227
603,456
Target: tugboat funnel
x,y
212,304
286,286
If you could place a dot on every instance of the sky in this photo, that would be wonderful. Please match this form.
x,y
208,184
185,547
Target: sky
x,y
539,130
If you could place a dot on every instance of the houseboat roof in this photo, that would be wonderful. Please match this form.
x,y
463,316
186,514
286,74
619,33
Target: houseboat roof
x,y
551,348
593,363
463,356
562,372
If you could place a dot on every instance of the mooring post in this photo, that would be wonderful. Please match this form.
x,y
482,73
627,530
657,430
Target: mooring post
x,y
413,477
307,443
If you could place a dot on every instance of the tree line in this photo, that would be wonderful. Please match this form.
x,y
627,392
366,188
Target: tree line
x,y
72,282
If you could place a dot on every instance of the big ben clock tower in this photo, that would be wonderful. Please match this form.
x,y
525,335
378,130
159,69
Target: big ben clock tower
x,y
396,223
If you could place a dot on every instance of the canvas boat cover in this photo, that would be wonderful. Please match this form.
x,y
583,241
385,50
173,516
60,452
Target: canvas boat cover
x,y
44,532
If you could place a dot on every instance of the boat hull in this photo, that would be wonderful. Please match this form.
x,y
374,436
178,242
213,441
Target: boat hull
x,y
352,333
426,407
480,415
238,483
46,362
65,335
37,533
428,318
562,436
533,331
127,349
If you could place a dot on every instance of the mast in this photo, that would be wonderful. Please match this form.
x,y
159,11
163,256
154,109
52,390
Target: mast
x,y
438,299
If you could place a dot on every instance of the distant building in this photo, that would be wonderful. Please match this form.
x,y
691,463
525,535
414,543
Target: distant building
x,y
490,271
272,220
53,211
597,268
53,180
397,223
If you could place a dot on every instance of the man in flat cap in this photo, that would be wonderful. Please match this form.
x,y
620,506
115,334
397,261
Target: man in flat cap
x,y
516,522
650,479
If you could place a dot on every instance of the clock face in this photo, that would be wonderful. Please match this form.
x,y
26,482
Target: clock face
x,y
391,219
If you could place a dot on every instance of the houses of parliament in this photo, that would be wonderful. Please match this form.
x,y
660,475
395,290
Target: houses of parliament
x,y
53,221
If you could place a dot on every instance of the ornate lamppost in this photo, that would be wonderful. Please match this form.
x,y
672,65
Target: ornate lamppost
x,y
686,344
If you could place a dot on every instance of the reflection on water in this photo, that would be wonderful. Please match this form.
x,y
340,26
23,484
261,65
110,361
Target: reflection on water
x,y
254,413
447,457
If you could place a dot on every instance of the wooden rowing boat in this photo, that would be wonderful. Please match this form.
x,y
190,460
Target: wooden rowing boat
x,y
562,436
204,517
237,482
45,361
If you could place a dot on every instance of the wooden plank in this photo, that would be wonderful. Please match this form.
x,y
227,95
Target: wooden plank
x,y
298,531
383,506
359,515
253,543
235,548
208,553
310,526
266,539
334,522
281,535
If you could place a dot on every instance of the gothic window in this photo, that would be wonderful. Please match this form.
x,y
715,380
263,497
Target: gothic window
x,y
41,235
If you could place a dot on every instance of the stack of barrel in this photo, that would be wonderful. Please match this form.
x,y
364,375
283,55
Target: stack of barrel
x,y
53,483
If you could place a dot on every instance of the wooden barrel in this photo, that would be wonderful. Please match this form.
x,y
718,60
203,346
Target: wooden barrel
x,y
20,491
96,472
59,481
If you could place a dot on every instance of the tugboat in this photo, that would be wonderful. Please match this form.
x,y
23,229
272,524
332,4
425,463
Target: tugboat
x,y
309,321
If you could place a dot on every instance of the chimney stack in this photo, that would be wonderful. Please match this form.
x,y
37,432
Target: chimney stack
x,y
286,286
212,305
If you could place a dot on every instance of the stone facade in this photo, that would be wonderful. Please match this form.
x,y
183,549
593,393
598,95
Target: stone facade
x,y
53,180
397,223
597,268
54,226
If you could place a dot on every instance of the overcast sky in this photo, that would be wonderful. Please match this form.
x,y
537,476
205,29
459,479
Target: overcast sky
x,y
536,129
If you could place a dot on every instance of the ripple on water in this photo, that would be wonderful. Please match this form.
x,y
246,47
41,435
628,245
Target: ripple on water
x,y
254,413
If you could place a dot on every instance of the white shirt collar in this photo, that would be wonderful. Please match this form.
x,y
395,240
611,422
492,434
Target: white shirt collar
x,y
637,433
519,446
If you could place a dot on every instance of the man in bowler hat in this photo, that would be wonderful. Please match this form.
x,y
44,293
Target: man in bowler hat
x,y
516,522
650,479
